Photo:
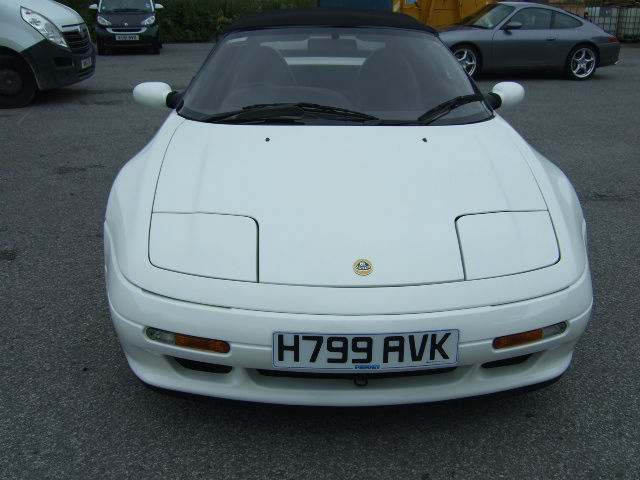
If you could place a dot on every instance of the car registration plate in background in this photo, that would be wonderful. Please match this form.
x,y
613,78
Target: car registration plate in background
x,y
365,352
85,63
127,37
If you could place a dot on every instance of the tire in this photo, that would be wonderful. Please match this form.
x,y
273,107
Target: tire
x,y
468,58
582,62
17,84
101,49
157,45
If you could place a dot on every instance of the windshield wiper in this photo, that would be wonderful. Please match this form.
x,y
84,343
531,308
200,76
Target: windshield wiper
x,y
336,112
444,108
279,112
127,10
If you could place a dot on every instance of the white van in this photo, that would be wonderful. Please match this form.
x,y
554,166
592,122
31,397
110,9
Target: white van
x,y
43,45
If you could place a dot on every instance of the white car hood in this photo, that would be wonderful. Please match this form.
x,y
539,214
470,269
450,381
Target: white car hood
x,y
59,14
323,197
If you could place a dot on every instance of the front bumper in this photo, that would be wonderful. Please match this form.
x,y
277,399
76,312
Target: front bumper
x,y
253,378
55,66
147,36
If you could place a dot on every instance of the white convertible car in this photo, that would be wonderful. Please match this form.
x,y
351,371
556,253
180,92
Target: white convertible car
x,y
333,214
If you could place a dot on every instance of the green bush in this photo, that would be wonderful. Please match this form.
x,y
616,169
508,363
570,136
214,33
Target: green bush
x,y
197,20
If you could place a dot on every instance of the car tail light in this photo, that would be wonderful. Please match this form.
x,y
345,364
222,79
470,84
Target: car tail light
x,y
530,336
613,40
188,341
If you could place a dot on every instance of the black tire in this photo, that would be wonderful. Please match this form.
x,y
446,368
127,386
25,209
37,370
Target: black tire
x,y
17,84
157,45
469,59
582,62
101,49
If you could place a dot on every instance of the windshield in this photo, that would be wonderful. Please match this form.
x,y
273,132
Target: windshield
x,y
113,6
489,17
324,75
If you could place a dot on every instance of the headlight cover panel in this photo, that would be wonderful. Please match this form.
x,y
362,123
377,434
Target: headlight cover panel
x,y
506,243
206,245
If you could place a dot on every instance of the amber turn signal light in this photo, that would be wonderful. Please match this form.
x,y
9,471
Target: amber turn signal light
x,y
188,341
517,339
523,338
200,343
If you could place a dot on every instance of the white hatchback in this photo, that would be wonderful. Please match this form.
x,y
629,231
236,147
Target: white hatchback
x,y
333,214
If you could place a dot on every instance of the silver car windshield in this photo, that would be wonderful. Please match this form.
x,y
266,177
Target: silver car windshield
x,y
489,17
389,74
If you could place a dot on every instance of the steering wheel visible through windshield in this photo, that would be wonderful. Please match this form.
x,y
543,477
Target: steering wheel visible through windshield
x,y
324,75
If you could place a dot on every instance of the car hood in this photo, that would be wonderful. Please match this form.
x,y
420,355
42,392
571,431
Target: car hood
x,y
315,200
59,14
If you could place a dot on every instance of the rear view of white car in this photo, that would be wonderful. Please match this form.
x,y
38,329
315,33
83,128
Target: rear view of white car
x,y
43,45
334,214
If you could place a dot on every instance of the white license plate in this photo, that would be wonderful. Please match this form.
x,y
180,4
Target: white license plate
x,y
85,63
365,352
127,37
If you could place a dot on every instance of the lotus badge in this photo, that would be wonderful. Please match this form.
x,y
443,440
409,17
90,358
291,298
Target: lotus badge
x,y
363,267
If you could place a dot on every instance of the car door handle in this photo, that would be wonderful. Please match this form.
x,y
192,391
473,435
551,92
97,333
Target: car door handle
x,y
550,39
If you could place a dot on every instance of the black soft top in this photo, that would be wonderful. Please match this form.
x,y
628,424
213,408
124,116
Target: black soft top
x,y
327,17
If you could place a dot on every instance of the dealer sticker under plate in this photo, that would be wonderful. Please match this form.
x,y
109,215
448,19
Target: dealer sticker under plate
x,y
127,37
365,352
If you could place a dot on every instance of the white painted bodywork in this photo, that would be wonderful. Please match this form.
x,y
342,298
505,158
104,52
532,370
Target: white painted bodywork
x,y
322,197
506,243
17,35
208,245
152,94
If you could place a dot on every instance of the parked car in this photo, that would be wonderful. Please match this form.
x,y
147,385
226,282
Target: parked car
x,y
43,45
127,23
334,214
523,35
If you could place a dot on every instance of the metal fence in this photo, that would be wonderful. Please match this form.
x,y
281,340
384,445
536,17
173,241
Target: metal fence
x,y
621,20
618,17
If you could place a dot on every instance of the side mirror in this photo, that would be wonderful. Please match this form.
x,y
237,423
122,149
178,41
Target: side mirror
x,y
513,26
158,6
155,95
505,94
93,6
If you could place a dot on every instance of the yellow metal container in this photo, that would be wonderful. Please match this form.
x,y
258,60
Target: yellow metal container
x,y
439,12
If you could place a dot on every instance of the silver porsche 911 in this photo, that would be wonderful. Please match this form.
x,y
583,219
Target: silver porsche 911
x,y
523,35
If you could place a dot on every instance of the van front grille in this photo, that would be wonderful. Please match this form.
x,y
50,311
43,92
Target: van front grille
x,y
78,38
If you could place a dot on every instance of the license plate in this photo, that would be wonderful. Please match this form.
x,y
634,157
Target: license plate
x,y
127,37
85,63
365,352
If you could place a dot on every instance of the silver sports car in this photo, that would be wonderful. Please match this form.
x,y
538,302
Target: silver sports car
x,y
520,35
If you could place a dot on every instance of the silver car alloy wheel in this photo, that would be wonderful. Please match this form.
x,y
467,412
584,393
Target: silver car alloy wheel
x,y
583,62
468,59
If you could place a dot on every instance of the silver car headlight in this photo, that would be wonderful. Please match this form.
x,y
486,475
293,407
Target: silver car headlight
x,y
103,21
149,20
47,29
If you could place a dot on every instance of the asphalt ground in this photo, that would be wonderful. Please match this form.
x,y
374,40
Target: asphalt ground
x,y
71,408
